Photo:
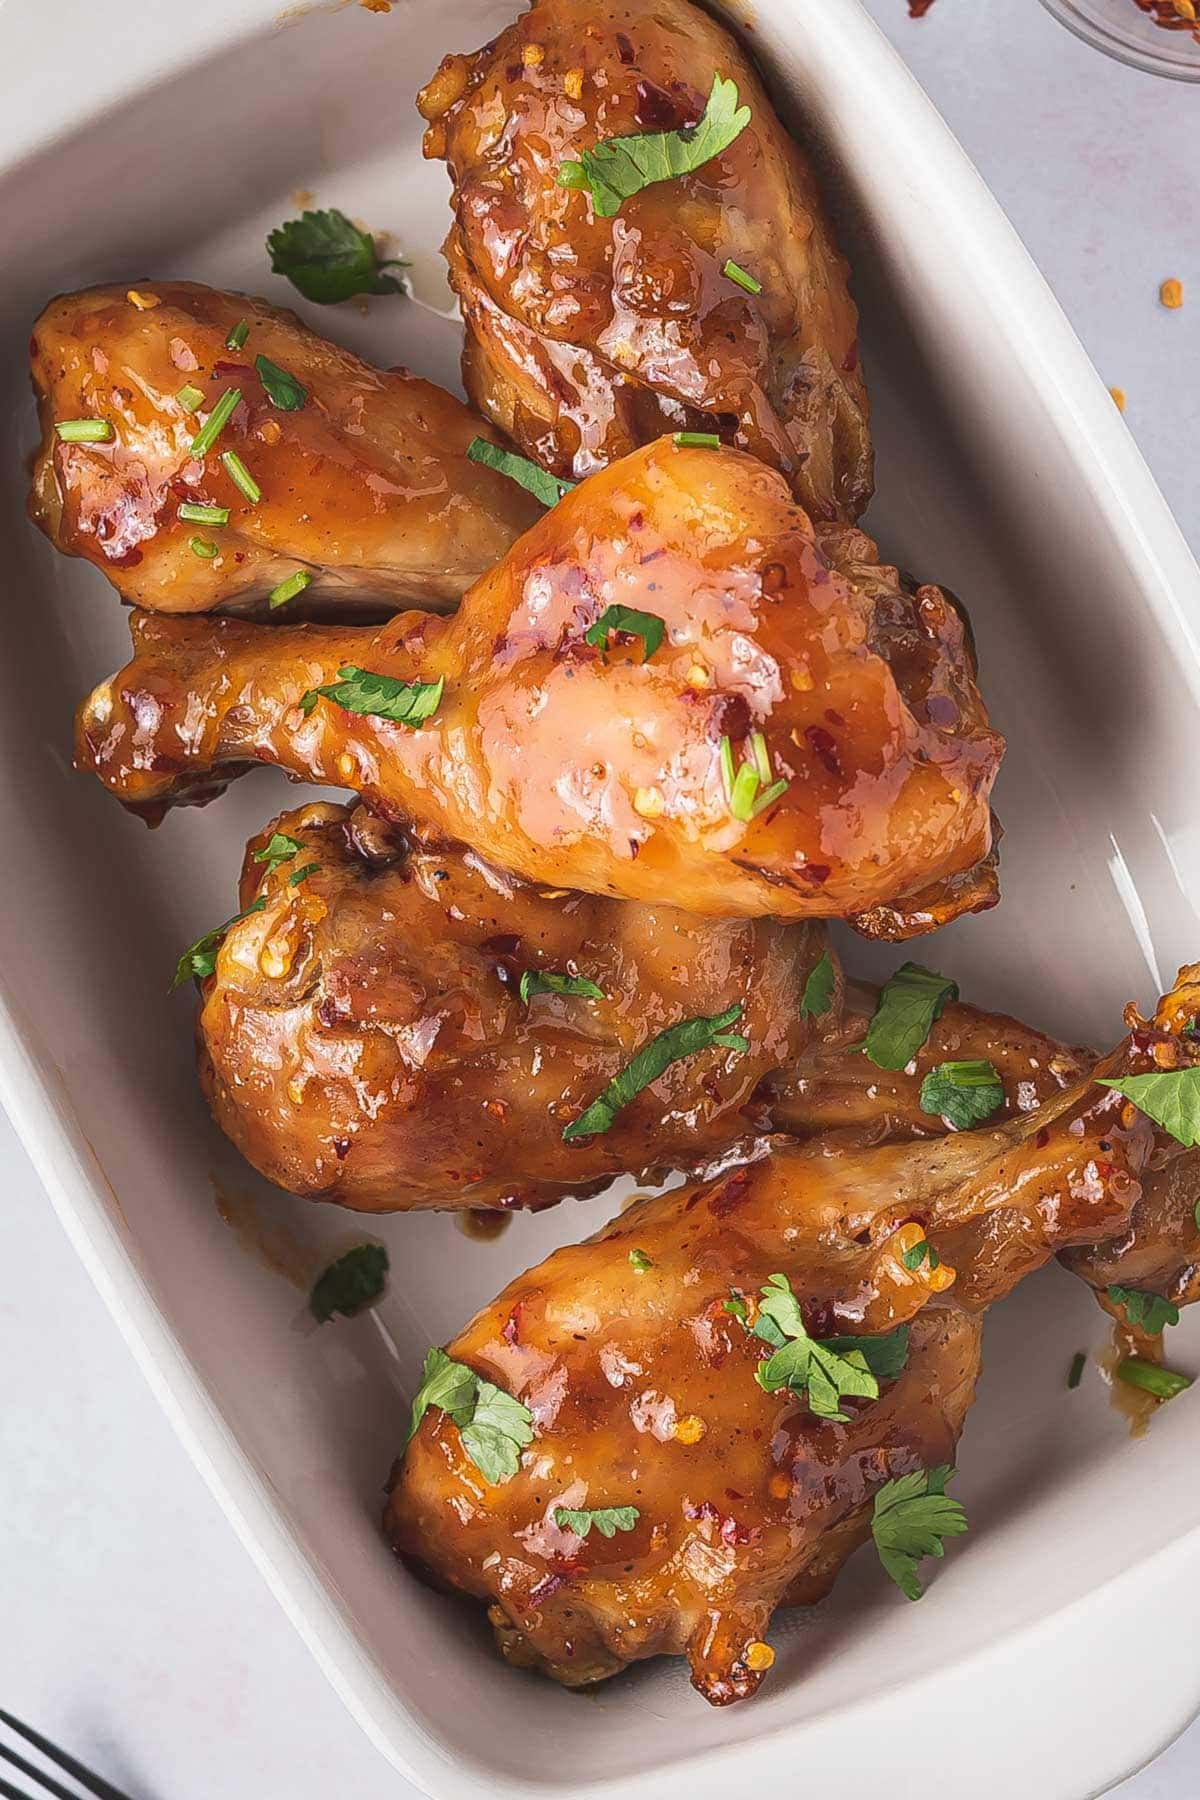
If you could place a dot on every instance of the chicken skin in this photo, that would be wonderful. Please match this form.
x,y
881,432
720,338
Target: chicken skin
x,y
796,744
640,1382
588,335
363,1039
366,486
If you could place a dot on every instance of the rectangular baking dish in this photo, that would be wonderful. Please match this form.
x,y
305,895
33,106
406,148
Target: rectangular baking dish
x,y
1005,471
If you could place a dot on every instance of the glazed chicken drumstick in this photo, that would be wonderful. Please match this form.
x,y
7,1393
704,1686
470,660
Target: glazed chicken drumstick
x,y
405,1027
713,301
363,476
665,692
632,1362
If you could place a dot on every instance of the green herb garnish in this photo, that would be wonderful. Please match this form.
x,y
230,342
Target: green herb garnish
x,y
697,440
825,1368
732,272
639,1262
300,875
282,389
193,512
616,168
962,1093
190,398
493,1426
279,848
549,981
85,431
240,476
912,1259
200,959
1078,1364
289,587
215,423
203,547
909,1003
818,989
607,1520
379,696
670,1046
549,489
327,257
647,626
742,785
1145,1312
912,1518
1171,1099
238,335
351,1284
1152,1378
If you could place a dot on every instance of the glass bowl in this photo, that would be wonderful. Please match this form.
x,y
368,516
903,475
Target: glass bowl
x,y
1129,31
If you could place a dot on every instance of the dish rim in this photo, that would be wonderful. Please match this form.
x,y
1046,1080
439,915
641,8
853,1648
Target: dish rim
x,y
37,1099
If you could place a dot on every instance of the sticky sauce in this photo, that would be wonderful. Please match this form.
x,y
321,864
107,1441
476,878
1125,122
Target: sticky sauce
x,y
483,1226
1135,1406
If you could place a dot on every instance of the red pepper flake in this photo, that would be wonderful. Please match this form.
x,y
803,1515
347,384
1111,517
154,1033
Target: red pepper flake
x,y
918,8
823,745
850,360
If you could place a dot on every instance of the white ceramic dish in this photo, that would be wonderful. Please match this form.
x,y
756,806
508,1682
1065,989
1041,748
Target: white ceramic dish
x,y
1004,470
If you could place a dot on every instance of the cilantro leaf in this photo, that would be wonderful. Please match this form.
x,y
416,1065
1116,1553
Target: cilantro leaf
x,y
1146,1312
818,989
445,1384
912,1259
807,1363
737,1306
549,489
615,168
885,1356
379,696
647,626
279,848
499,1429
351,1284
282,389
1171,1099
912,1518
494,1426
639,1262
303,874
962,1093
608,1520
549,981
908,1005
200,959
670,1046
327,257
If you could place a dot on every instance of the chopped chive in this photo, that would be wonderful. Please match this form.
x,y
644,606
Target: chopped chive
x,y
1152,1378
732,272
697,440
1078,1364
238,335
727,767
240,475
85,431
202,547
758,751
745,789
302,874
216,422
196,514
289,587
769,796
190,398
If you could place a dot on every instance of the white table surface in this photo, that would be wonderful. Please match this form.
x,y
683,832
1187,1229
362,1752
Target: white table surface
x,y
135,1628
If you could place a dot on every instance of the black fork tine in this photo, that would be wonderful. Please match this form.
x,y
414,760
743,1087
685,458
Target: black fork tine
x,y
95,1784
43,1780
